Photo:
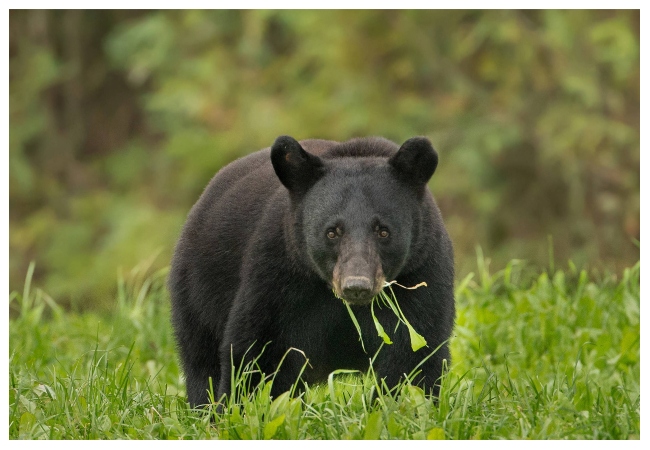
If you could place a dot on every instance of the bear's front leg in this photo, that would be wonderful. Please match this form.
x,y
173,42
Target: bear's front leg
x,y
251,348
240,359
281,368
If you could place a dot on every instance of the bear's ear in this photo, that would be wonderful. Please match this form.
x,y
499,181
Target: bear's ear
x,y
415,161
296,169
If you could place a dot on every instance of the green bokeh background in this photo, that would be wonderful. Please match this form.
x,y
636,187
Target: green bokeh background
x,y
118,119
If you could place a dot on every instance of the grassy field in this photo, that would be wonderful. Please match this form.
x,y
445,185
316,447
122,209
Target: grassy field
x,y
550,356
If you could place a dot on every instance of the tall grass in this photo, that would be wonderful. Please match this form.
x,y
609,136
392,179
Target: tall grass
x,y
549,356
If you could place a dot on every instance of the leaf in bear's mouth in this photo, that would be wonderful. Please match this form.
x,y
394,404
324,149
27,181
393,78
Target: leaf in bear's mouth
x,y
390,300
356,324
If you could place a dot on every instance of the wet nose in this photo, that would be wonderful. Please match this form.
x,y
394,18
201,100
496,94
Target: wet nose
x,y
357,289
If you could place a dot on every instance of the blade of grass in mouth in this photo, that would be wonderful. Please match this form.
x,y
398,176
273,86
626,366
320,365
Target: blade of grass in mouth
x,y
390,300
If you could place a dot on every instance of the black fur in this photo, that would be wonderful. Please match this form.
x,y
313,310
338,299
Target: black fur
x,y
254,264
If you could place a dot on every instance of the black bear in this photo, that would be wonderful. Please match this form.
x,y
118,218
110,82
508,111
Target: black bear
x,y
280,236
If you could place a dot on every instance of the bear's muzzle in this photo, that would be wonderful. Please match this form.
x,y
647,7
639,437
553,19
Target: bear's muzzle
x,y
358,275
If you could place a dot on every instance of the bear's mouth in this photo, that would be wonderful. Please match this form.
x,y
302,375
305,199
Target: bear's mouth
x,y
357,291
359,301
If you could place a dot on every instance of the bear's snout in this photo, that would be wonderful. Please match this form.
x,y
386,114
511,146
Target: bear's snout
x,y
357,289
358,275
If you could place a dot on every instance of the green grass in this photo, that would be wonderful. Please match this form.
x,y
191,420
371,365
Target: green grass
x,y
554,357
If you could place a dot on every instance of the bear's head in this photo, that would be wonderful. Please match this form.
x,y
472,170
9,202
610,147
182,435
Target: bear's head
x,y
357,218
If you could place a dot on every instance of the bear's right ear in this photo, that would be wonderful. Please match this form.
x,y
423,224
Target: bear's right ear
x,y
296,169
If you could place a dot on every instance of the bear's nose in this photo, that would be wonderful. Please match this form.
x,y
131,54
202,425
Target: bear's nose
x,y
357,289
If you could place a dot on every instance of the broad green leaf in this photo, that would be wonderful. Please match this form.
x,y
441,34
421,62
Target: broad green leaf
x,y
272,427
27,421
394,427
436,434
279,404
380,329
417,340
374,425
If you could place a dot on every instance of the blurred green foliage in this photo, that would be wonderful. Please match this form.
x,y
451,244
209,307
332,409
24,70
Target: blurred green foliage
x,y
118,119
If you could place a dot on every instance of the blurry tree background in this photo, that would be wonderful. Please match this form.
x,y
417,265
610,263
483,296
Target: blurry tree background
x,y
118,119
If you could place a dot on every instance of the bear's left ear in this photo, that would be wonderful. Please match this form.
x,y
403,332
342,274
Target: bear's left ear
x,y
296,169
415,161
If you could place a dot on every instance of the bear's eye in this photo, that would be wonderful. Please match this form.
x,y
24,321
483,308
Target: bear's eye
x,y
382,233
334,233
